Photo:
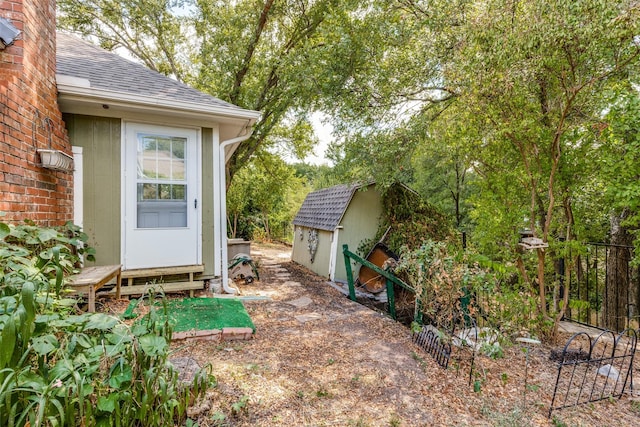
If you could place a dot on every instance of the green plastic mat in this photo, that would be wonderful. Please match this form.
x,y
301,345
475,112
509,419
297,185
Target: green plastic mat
x,y
208,313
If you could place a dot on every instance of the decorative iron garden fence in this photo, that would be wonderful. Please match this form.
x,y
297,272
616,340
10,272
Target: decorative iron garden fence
x,y
590,370
431,341
605,288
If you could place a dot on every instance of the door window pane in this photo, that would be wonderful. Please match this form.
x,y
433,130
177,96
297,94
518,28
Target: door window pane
x,y
162,186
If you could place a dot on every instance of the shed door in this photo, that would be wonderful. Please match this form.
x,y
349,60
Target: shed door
x,y
162,210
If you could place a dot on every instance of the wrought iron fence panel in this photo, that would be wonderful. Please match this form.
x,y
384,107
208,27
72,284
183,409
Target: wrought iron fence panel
x,y
433,343
438,344
590,370
590,294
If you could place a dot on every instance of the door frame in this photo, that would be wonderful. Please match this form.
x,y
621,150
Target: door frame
x,y
160,128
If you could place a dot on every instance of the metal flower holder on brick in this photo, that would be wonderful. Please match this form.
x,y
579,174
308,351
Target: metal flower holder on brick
x,y
50,158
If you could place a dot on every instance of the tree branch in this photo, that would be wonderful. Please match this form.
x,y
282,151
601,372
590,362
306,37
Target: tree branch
x,y
242,72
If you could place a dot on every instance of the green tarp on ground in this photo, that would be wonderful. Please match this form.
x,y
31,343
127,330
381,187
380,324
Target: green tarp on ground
x,y
207,313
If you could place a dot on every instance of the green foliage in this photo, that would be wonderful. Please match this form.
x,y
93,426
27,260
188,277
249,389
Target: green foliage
x,y
410,220
494,350
280,58
443,168
263,200
504,377
318,177
521,101
31,254
61,368
509,308
557,422
512,417
150,30
452,287
241,406
428,271
619,158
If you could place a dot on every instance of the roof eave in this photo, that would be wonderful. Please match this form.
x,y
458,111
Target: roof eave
x,y
73,94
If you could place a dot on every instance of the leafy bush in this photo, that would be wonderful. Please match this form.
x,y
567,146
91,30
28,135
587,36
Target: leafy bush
x,y
62,368
441,284
452,287
409,221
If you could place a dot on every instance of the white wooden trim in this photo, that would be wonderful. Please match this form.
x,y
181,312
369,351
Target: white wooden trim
x,y
333,256
123,186
199,183
78,186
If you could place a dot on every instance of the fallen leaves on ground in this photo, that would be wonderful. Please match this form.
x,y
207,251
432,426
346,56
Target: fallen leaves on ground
x,y
335,362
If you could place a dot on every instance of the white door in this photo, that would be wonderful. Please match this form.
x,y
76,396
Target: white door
x,y
162,206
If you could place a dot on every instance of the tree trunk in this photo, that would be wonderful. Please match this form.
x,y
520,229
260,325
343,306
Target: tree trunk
x,y
617,287
541,283
267,228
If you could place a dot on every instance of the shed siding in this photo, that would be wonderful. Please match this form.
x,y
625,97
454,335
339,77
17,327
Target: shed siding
x,y
359,223
300,251
100,139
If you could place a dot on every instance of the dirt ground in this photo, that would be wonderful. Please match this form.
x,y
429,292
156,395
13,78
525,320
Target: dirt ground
x,y
319,359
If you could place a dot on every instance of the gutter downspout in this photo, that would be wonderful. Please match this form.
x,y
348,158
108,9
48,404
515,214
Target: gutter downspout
x,y
224,256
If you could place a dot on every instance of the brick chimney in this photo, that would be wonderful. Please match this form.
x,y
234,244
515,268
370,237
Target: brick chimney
x,y
31,119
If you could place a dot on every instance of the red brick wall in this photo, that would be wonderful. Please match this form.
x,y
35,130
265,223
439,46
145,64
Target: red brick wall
x,y
31,119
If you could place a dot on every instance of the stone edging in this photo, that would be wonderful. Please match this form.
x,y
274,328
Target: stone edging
x,y
226,334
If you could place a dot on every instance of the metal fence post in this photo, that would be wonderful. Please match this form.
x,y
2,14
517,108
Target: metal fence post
x,y
391,300
347,267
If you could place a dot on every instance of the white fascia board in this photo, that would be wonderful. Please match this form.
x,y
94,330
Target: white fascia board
x,y
81,93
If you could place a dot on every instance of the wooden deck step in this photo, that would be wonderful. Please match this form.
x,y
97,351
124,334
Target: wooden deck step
x,y
166,288
162,271
155,278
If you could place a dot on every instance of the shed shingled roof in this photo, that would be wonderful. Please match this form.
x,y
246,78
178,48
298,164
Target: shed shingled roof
x,y
108,71
323,209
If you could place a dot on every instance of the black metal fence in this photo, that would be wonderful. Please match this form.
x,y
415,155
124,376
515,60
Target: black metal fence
x,y
433,343
594,369
440,345
605,288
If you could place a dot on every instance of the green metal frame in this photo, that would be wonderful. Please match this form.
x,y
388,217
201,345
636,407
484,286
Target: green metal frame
x,y
390,280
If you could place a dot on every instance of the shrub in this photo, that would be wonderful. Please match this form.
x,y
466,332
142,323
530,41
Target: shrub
x,y
452,287
58,367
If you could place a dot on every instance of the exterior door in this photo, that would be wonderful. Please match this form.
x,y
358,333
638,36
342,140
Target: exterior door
x,y
162,206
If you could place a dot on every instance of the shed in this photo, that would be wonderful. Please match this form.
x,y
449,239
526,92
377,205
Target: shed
x,y
330,218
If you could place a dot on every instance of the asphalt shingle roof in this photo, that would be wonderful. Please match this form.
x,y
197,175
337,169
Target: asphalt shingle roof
x,y
323,209
109,71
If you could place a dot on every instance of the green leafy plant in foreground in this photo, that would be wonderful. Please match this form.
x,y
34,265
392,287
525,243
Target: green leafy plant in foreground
x,y
58,367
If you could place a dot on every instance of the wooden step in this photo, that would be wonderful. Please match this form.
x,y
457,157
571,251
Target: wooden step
x,y
162,271
90,279
166,287
156,276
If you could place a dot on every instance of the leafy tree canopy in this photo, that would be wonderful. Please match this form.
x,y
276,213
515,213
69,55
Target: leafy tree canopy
x,y
282,58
